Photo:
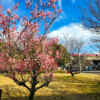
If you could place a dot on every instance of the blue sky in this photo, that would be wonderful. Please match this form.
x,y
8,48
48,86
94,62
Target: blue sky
x,y
68,22
71,12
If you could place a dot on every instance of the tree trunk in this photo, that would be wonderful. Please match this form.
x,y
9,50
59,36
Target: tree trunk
x,y
31,96
0,93
32,90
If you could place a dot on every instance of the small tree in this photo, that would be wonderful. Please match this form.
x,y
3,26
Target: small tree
x,y
64,56
24,55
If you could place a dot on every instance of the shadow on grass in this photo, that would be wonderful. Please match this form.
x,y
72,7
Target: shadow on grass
x,y
62,97
76,79
60,90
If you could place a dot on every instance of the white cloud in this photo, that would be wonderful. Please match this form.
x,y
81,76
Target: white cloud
x,y
76,31
73,30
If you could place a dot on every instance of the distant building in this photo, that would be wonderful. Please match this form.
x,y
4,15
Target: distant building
x,y
91,61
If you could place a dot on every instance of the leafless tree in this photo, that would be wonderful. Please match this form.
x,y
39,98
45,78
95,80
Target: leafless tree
x,y
95,41
91,19
91,14
74,45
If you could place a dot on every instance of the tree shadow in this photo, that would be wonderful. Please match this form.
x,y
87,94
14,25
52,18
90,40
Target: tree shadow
x,y
56,94
10,92
62,97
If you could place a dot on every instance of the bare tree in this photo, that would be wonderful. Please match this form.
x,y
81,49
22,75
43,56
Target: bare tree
x,y
91,19
95,42
91,14
74,45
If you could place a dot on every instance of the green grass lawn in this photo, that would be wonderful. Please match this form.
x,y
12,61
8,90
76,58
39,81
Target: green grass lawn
x,y
64,87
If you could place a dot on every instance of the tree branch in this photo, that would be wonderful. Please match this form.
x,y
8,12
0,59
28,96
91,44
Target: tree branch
x,y
21,83
49,25
94,12
43,85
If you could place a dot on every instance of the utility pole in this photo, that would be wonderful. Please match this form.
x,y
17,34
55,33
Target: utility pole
x,y
79,61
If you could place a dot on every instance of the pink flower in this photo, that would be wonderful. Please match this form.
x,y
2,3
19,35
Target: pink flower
x,y
59,11
13,28
57,54
20,66
54,6
9,11
16,6
48,13
16,16
53,1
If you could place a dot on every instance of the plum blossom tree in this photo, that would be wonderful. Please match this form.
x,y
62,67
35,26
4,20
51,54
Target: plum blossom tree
x,y
24,53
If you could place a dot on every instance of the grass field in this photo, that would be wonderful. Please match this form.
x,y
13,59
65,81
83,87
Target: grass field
x,y
64,87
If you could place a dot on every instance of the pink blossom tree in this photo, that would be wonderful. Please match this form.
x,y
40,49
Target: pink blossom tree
x,y
24,54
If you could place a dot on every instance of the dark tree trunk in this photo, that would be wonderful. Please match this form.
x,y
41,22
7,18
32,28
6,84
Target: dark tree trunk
x,y
33,90
0,93
31,95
